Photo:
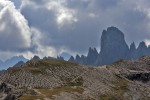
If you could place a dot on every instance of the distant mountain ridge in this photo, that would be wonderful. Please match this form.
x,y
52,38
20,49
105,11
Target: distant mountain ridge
x,y
113,48
12,61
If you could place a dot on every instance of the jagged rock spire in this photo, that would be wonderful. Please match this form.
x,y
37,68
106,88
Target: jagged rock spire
x,y
71,59
142,45
132,47
113,46
60,58
92,56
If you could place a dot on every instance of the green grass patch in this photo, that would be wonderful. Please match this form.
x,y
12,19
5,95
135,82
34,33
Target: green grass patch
x,y
31,97
50,92
55,63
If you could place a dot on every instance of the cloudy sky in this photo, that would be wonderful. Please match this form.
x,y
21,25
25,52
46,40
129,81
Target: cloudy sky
x,y
51,27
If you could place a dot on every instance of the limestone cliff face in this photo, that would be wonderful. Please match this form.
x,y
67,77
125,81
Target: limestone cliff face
x,y
89,59
113,46
92,56
71,59
142,49
132,53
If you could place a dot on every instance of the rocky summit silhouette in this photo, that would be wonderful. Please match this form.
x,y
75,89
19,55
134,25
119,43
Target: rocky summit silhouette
x,y
113,48
89,59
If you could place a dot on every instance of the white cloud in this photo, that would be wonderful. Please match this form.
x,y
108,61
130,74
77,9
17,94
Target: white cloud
x,y
147,41
51,27
64,15
77,24
40,50
14,31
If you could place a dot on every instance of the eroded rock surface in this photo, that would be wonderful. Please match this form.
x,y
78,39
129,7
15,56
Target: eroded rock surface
x,y
60,80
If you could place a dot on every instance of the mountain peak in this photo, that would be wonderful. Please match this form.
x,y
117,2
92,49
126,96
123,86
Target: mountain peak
x,y
36,58
132,47
71,59
20,63
60,58
12,61
112,28
113,46
112,36
92,56
142,45
114,31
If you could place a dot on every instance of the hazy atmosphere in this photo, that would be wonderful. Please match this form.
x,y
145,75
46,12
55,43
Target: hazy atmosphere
x,y
51,27
74,49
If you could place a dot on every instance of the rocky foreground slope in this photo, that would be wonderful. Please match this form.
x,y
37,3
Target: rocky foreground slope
x,y
60,80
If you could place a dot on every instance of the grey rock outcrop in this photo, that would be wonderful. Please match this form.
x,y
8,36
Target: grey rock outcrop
x,y
142,49
71,59
92,56
132,47
60,58
133,52
49,58
6,92
78,58
113,46
36,58
20,63
89,59
83,59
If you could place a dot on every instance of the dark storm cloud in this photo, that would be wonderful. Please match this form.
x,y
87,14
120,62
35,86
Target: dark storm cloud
x,y
50,27
77,36
42,19
92,16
